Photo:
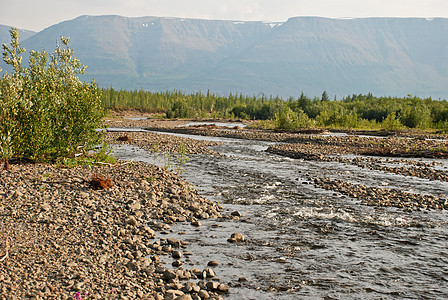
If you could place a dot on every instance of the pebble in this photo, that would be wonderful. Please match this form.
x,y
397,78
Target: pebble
x,y
236,214
212,263
196,223
236,237
177,254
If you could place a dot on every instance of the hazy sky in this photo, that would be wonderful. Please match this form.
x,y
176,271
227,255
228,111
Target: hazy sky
x,y
39,14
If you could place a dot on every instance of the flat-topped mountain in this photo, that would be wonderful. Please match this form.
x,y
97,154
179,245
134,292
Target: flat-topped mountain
x,y
385,56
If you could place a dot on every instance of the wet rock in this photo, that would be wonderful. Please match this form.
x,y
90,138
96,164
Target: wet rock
x,y
204,294
169,275
203,216
174,242
236,237
177,254
212,263
191,287
196,223
236,214
223,288
167,248
212,285
176,263
208,273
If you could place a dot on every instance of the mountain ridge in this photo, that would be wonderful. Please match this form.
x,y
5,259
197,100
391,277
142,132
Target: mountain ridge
x,y
385,56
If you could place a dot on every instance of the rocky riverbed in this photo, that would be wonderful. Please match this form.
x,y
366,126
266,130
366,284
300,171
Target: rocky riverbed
x,y
388,154
160,143
375,196
61,235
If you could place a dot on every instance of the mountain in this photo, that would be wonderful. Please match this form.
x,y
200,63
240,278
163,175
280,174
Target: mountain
x,y
5,37
385,56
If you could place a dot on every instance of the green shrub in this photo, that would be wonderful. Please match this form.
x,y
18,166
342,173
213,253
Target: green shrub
x,y
46,112
179,109
391,122
286,119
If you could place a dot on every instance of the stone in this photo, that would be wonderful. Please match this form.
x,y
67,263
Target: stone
x,y
212,285
158,296
135,206
169,275
236,237
208,273
204,294
191,287
223,288
212,263
196,223
184,297
173,294
132,221
237,214
177,254
174,242
176,263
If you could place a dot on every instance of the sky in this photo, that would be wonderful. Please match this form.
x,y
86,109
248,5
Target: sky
x,y
38,14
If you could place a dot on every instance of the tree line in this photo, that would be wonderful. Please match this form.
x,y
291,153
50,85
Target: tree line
x,y
353,111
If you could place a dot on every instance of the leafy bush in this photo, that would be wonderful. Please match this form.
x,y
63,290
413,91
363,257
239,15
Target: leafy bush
x,y
46,112
333,115
391,122
416,116
286,119
179,109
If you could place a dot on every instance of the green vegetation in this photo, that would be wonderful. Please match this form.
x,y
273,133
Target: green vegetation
x,y
46,112
173,161
351,112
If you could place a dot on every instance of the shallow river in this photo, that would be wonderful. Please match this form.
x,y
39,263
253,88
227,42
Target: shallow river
x,y
305,242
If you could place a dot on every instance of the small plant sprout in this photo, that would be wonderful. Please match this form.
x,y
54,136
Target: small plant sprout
x,y
167,160
181,158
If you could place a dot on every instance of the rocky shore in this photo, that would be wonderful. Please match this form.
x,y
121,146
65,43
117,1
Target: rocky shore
x,y
375,196
61,235
154,142
309,146
408,167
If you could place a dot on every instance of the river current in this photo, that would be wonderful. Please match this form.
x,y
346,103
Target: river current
x,y
304,242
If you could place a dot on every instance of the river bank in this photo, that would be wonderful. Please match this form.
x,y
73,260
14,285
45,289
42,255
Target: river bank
x,y
60,235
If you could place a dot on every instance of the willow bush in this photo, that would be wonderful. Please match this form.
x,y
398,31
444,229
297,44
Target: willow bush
x,y
46,112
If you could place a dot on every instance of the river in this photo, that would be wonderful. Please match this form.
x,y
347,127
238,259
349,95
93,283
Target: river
x,y
304,242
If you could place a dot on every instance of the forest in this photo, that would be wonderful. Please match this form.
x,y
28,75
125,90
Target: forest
x,y
350,112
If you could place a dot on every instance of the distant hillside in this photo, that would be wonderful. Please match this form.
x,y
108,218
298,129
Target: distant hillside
x,y
385,56
5,37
